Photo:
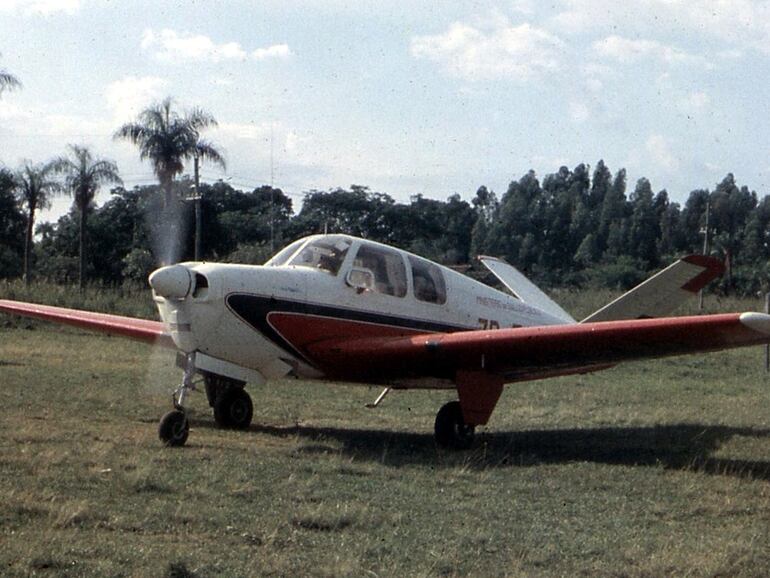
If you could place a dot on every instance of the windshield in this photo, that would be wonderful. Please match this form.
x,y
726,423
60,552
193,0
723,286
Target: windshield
x,y
326,253
283,255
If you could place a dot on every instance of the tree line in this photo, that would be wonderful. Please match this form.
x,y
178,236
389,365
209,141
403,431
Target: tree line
x,y
573,228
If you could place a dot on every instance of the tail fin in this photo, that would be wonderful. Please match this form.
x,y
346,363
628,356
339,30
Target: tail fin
x,y
662,293
523,288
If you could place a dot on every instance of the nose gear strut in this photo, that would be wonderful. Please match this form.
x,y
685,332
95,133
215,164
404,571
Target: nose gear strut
x,y
174,427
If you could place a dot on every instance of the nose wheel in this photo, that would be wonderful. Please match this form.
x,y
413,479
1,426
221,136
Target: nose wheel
x,y
174,427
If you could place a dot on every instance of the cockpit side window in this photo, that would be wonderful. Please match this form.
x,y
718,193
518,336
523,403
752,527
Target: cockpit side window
x,y
284,254
387,267
429,284
325,253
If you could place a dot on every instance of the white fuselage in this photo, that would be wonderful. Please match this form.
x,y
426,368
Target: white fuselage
x,y
261,317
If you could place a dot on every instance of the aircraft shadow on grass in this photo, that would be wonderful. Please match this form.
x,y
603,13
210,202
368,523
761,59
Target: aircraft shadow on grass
x,y
676,446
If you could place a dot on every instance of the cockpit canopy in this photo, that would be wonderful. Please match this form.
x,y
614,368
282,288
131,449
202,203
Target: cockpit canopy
x,y
374,267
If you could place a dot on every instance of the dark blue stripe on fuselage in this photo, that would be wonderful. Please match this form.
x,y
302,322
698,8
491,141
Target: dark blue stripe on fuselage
x,y
254,309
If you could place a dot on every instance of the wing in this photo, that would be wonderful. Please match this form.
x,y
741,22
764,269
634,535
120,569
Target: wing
x,y
527,352
479,362
139,329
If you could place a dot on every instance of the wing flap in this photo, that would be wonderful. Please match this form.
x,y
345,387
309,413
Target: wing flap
x,y
138,329
535,352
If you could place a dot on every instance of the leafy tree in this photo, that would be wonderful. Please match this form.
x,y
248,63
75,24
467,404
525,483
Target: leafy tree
x,y
643,229
233,218
730,209
612,217
668,214
693,219
485,206
600,185
83,175
359,212
34,185
11,228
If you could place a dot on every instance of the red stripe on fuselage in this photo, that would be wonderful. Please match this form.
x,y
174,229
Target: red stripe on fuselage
x,y
304,331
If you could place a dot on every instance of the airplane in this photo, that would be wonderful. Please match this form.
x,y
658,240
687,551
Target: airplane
x,y
336,307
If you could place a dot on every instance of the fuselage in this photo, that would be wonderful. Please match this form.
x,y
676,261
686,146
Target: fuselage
x,y
323,287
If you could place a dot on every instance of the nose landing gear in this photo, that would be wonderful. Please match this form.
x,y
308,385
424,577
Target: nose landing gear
x,y
174,427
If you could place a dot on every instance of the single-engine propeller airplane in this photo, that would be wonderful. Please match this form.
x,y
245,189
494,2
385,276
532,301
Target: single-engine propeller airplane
x,y
336,307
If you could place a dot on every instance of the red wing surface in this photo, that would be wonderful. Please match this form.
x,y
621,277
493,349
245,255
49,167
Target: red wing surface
x,y
139,329
531,352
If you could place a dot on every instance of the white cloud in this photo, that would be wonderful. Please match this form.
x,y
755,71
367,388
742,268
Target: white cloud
x,y
500,51
127,97
169,45
660,151
41,7
625,50
275,51
741,23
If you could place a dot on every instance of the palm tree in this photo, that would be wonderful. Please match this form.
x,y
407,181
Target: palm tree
x,y
83,176
8,81
168,139
34,185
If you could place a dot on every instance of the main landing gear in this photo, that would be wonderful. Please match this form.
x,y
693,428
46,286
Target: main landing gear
x,y
233,408
451,430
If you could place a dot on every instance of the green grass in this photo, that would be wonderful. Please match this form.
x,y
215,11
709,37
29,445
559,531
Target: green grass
x,y
648,469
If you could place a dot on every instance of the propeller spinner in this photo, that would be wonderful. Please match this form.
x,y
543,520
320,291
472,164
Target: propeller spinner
x,y
172,282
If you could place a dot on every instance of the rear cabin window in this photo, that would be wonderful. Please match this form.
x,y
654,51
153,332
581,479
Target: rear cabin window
x,y
325,253
429,284
387,267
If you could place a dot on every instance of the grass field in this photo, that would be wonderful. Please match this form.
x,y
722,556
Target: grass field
x,y
648,469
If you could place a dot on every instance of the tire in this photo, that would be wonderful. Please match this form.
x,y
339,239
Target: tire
x,y
451,430
174,428
233,408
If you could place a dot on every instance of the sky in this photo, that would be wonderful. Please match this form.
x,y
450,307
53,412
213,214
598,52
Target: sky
x,y
406,97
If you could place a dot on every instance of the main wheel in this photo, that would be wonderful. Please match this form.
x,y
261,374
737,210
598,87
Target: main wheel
x,y
233,408
174,428
451,429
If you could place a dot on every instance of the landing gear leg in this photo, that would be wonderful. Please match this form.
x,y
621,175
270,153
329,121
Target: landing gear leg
x,y
451,430
174,426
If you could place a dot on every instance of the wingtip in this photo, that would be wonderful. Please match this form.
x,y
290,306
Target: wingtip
x,y
759,322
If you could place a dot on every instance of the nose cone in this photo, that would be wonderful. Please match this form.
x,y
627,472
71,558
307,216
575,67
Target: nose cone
x,y
172,282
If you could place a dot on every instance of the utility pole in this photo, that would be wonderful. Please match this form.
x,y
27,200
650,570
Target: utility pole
x,y
272,194
197,197
705,231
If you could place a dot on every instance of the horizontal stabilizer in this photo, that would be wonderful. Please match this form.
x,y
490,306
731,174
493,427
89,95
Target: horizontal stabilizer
x,y
662,293
523,288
